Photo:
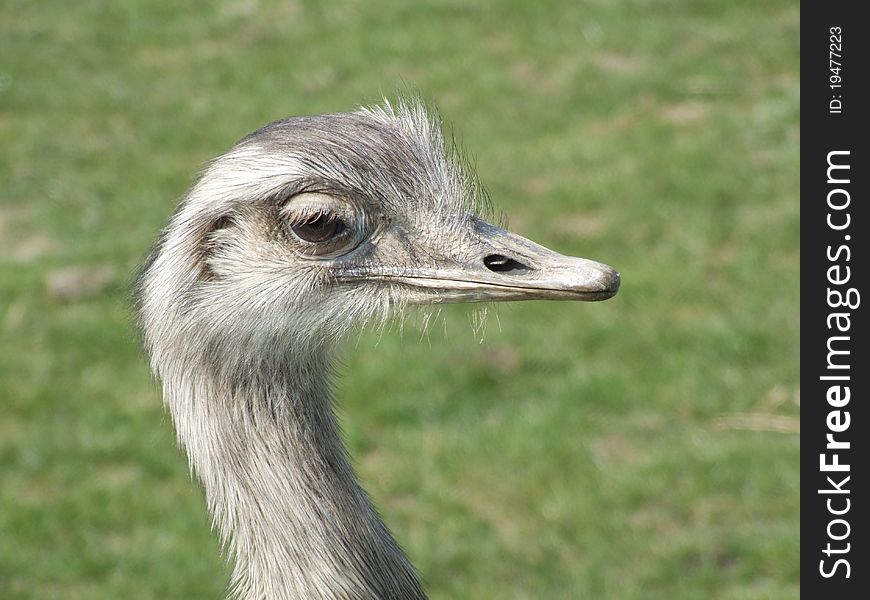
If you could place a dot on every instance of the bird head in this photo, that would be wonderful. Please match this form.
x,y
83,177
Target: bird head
x,y
311,224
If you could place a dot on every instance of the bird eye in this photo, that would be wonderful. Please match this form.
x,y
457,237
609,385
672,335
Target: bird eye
x,y
319,227
323,226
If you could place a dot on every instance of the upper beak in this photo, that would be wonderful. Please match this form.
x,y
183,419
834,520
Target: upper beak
x,y
503,266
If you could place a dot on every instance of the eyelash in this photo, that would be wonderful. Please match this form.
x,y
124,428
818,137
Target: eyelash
x,y
322,221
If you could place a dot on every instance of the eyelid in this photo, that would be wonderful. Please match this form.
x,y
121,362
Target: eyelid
x,y
307,204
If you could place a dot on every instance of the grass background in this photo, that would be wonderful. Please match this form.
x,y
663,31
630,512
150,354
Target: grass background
x,y
645,447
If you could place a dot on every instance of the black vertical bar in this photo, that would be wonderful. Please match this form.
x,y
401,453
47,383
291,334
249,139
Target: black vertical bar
x,y
834,263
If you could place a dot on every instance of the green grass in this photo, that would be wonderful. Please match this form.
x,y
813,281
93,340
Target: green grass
x,y
645,447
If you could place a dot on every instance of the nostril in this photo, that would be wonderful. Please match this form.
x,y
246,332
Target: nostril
x,y
503,264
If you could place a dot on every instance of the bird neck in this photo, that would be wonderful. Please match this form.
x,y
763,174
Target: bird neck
x,y
281,490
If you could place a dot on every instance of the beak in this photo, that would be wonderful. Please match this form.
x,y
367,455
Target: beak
x,y
501,266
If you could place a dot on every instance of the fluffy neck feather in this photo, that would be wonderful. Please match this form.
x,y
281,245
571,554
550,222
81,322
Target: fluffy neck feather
x,y
280,488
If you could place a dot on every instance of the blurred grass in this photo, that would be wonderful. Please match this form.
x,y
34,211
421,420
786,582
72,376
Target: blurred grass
x,y
641,448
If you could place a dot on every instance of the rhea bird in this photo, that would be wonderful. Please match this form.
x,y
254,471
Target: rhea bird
x,y
300,231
